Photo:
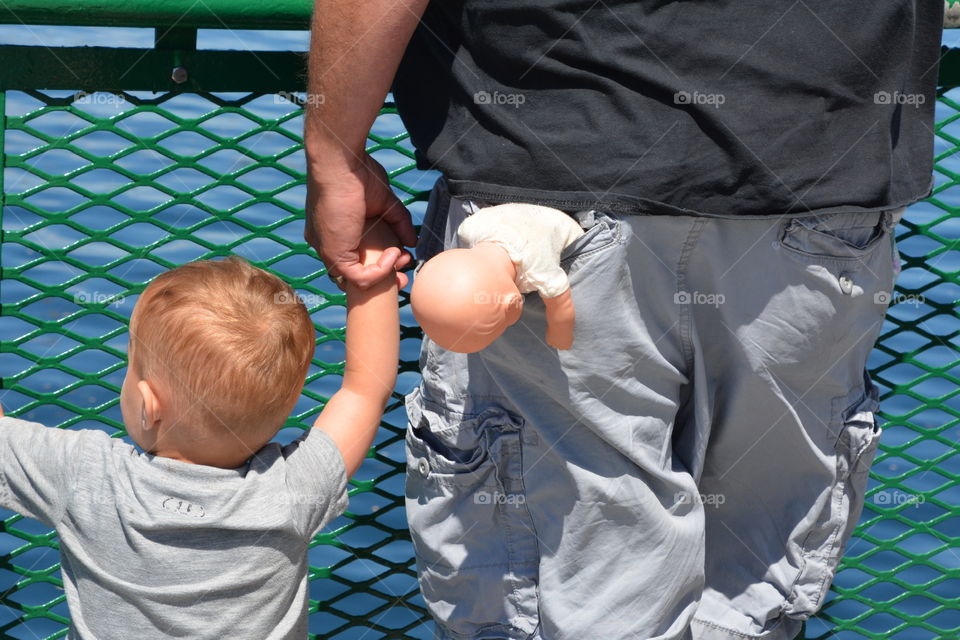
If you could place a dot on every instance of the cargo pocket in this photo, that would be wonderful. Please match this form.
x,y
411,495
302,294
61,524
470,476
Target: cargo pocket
x,y
822,548
474,540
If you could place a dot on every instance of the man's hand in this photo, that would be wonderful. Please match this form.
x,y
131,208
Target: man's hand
x,y
338,204
355,49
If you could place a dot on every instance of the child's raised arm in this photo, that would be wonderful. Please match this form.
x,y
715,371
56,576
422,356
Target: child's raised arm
x,y
353,414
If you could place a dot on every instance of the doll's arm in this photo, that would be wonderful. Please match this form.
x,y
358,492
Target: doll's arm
x,y
560,320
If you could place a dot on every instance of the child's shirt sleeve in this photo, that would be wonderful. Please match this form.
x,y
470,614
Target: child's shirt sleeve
x,y
37,467
316,481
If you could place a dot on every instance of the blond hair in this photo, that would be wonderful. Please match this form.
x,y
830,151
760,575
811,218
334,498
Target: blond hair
x,y
230,342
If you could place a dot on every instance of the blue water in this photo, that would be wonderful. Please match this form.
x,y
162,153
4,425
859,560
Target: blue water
x,y
940,349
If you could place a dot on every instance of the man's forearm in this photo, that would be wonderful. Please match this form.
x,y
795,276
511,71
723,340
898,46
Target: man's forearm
x,y
355,48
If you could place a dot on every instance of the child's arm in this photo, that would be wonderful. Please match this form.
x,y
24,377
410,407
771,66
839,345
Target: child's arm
x,y
38,467
353,414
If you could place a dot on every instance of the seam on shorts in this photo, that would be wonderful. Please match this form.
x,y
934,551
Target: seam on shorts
x,y
507,529
836,417
686,312
493,565
733,632
447,633
510,537
441,409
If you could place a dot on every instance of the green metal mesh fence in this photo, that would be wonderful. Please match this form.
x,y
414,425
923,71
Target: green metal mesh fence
x,y
103,191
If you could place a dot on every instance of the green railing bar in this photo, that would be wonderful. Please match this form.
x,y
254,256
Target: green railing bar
x,y
949,69
174,38
110,69
113,69
204,14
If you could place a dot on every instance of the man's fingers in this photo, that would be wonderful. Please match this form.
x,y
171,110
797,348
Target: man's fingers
x,y
359,274
344,264
401,223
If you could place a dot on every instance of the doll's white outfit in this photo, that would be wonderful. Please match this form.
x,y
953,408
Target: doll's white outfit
x,y
534,238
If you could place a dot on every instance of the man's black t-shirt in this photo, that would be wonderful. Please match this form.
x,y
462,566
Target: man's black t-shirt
x,y
718,107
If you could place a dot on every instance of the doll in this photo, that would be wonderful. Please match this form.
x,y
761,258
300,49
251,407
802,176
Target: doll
x,y
464,298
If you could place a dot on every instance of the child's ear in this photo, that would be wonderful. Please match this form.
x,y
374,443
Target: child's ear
x,y
151,404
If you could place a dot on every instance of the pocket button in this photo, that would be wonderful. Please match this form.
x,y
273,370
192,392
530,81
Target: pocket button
x,y
423,467
846,283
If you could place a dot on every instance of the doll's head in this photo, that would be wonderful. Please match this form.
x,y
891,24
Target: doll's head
x,y
464,299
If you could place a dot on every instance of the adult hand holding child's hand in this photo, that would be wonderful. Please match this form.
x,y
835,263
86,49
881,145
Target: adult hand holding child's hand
x,y
341,202
379,247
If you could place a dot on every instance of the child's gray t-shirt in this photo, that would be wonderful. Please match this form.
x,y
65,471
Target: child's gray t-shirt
x,y
156,548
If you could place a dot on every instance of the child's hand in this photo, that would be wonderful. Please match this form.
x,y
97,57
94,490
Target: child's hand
x,y
379,245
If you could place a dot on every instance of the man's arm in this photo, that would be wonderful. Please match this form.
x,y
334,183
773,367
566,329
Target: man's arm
x,y
356,47
353,414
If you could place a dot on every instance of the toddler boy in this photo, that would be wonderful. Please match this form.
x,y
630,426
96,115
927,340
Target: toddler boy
x,y
204,534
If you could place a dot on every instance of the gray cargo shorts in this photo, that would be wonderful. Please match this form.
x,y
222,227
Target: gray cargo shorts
x,y
691,468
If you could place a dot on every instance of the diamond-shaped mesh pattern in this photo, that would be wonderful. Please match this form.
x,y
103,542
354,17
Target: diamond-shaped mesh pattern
x,y
102,192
